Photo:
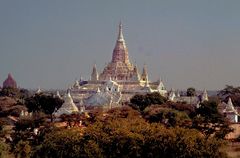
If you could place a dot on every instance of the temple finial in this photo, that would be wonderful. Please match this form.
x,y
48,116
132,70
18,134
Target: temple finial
x,y
94,75
120,33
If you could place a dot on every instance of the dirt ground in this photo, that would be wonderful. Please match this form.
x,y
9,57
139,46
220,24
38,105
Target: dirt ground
x,y
233,150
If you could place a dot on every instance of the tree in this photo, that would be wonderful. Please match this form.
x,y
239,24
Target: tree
x,y
128,135
4,149
121,132
10,92
142,101
45,103
191,92
232,92
209,121
66,143
166,116
229,91
22,149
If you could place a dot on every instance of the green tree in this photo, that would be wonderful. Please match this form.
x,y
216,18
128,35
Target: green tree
x,y
45,103
142,101
209,121
167,116
126,134
191,92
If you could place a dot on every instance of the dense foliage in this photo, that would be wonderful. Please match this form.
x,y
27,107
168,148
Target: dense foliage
x,y
128,136
149,127
14,92
209,121
142,101
43,103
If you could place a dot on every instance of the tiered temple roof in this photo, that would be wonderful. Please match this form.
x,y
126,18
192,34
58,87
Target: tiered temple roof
x,y
120,67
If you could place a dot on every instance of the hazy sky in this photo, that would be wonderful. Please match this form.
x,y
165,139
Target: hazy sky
x,y
50,43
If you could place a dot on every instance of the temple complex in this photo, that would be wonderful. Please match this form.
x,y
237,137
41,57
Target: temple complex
x,y
119,71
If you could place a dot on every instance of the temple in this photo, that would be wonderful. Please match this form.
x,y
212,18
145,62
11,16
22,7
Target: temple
x,y
120,67
118,81
68,106
10,82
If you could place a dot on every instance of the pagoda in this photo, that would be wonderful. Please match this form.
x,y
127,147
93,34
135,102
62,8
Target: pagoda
x,y
119,71
68,106
120,67
10,82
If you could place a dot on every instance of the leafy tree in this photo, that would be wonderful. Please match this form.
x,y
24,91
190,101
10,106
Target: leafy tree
x,y
142,101
228,91
232,92
67,143
166,116
183,107
191,92
45,103
209,121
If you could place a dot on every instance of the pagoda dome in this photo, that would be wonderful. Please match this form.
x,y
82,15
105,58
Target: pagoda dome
x,y
10,82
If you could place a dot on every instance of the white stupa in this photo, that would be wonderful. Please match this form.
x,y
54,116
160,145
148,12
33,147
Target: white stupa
x,y
172,95
68,106
204,96
161,88
58,94
230,112
108,93
39,90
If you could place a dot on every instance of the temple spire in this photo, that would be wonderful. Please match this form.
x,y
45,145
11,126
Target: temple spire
x,y
144,76
120,52
94,75
120,34
204,96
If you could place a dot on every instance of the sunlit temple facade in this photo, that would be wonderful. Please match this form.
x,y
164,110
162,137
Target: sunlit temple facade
x,y
118,81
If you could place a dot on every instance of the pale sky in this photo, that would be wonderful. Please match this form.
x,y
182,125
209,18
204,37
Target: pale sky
x,y
50,43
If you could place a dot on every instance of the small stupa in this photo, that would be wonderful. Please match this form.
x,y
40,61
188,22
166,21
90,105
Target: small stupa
x,y
68,106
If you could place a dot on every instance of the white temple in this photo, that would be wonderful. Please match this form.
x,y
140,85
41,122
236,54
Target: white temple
x,y
119,71
229,111
108,94
193,100
68,106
